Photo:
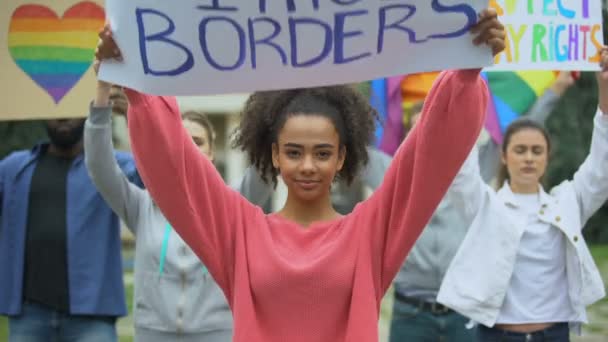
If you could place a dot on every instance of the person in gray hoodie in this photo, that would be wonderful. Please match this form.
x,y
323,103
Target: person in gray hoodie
x,y
175,299
416,314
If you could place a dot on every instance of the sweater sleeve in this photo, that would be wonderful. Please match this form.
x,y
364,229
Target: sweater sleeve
x,y
422,170
202,209
121,195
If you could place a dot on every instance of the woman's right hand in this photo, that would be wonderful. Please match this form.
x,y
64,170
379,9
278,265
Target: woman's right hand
x,y
106,47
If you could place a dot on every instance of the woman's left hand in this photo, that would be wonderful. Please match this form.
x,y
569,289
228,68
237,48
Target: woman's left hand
x,y
490,31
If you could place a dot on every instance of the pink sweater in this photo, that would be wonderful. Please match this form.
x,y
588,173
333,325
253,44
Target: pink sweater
x,y
324,283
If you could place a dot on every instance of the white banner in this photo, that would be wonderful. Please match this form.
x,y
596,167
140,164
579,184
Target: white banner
x,y
200,47
550,34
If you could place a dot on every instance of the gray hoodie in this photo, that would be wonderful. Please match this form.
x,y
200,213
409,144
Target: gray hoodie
x,y
183,297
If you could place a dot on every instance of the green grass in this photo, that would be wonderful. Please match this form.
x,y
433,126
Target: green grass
x,y
597,330
3,329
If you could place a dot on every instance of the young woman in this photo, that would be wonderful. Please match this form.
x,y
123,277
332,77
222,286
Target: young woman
x,y
175,298
306,273
416,314
536,275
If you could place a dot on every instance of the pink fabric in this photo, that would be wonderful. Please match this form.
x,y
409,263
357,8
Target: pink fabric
x,y
393,127
492,125
285,282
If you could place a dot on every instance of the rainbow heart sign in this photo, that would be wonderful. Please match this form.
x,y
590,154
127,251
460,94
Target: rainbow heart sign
x,y
55,52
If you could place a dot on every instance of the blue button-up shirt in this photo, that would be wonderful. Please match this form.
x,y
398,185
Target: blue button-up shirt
x,y
93,236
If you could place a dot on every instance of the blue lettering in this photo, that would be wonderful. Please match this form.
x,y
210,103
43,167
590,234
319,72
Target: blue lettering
x,y
253,41
340,36
202,30
161,37
291,5
293,24
568,13
345,2
467,10
397,25
215,6
561,55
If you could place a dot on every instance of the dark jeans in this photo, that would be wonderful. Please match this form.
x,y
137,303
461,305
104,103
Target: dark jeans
x,y
559,332
38,323
412,324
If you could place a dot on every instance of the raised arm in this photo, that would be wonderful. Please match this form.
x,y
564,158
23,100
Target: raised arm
x,y
423,168
545,104
468,192
591,179
122,196
205,212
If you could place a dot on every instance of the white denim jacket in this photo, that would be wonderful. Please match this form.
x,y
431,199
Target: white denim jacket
x,y
478,277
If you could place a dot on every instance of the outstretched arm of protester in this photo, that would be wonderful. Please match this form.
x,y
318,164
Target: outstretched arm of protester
x,y
467,191
545,104
591,179
376,167
427,162
183,182
122,196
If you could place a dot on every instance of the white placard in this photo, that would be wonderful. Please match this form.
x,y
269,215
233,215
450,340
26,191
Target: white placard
x,y
201,47
550,34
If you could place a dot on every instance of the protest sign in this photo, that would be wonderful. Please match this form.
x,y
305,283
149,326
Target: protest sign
x,y
46,50
220,46
550,34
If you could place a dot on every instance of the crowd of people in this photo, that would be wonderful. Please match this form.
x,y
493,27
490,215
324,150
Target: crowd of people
x,y
468,261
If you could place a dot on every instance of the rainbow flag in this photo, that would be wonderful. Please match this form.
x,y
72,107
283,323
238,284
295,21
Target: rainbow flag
x,y
512,95
55,52
378,100
386,98
414,88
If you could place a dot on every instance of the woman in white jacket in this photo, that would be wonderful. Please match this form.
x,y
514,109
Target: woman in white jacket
x,y
524,271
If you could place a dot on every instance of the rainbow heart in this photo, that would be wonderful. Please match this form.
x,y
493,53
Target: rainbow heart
x,y
55,52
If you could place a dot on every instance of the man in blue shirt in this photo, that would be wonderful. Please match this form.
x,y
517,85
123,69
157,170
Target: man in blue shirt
x,y
60,260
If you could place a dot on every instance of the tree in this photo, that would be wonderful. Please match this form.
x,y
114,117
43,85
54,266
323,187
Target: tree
x,y
18,135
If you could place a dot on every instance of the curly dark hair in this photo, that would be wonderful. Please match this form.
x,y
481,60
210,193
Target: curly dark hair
x,y
266,112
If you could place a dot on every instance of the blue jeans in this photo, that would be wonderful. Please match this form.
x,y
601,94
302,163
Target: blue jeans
x,y
412,324
38,323
559,332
